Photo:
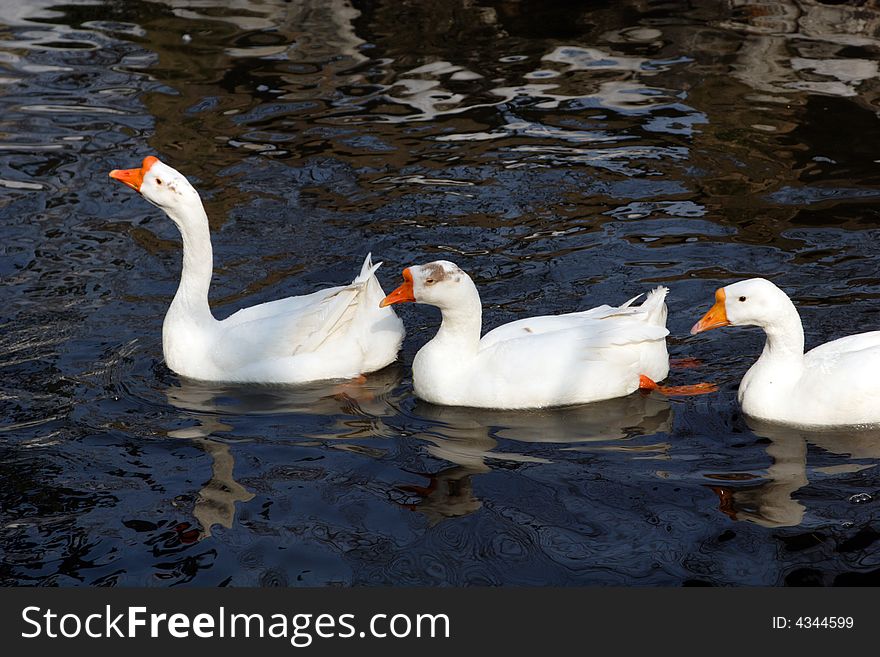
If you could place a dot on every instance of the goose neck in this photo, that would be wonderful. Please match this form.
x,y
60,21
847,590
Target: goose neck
x,y
198,261
460,327
785,337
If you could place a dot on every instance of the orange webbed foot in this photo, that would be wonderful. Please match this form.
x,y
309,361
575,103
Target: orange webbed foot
x,y
648,384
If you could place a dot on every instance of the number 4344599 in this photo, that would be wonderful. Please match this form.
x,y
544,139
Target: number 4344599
x,y
814,622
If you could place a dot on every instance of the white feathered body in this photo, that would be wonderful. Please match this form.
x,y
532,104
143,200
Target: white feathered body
x,y
836,383
547,361
334,333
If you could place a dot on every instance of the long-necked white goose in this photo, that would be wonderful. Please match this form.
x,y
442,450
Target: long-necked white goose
x,y
335,333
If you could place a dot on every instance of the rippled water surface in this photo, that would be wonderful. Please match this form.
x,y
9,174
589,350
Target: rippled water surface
x,y
566,156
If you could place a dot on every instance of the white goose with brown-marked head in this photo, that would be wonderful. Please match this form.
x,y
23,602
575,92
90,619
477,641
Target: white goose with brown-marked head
x,y
335,333
537,362
834,384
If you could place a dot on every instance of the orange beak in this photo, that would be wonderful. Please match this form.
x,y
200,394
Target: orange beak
x,y
134,177
403,293
716,317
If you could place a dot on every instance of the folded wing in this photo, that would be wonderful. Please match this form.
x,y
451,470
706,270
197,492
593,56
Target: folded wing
x,y
296,325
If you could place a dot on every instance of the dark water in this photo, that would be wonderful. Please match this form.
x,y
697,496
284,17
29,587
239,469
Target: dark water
x,y
565,156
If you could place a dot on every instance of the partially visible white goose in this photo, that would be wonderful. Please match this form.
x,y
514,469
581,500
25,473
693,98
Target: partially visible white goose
x,y
537,362
335,333
835,384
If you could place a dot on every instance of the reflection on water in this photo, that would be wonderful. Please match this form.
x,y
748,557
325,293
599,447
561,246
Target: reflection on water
x,y
773,502
207,403
469,438
568,155
368,398
802,46
215,502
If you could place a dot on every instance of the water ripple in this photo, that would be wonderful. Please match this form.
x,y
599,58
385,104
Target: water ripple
x,y
565,155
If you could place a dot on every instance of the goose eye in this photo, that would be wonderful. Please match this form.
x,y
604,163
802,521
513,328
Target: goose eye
x,y
742,298
158,181
429,281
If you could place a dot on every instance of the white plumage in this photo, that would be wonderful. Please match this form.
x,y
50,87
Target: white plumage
x,y
336,333
834,384
537,362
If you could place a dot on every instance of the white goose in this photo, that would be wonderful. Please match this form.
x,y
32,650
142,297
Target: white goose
x,y
835,384
335,333
537,362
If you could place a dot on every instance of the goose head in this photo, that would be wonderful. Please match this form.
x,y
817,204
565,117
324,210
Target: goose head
x,y
162,186
753,302
440,283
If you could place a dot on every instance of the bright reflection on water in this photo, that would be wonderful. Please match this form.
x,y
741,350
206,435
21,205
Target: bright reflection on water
x,y
565,156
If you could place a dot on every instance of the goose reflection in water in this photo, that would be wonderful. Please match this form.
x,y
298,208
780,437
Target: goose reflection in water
x,y
468,437
210,403
215,502
773,503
